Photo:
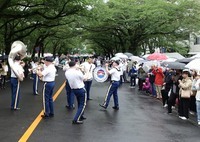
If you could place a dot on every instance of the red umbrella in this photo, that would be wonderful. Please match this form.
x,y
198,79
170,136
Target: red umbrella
x,y
157,56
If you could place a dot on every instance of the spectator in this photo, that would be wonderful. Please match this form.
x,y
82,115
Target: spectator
x,y
185,92
141,76
152,80
197,86
194,91
159,77
146,86
4,73
133,74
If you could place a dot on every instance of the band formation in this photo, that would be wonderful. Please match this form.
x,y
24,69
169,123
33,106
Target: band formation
x,y
175,87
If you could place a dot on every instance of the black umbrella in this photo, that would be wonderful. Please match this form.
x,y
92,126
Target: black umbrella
x,y
185,60
174,65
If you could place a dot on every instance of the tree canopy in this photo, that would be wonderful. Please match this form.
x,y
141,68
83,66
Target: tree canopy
x,y
72,26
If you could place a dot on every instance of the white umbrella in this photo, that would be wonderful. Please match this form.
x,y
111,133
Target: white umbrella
x,y
128,54
115,58
194,64
118,54
136,58
196,56
122,56
147,65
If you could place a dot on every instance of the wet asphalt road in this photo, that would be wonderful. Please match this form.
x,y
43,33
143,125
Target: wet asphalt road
x,y
140,118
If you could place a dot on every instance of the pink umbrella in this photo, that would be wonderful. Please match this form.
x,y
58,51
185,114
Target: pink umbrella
x,y
157,56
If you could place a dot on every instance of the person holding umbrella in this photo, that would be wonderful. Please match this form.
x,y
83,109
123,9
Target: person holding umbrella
x,y
159,78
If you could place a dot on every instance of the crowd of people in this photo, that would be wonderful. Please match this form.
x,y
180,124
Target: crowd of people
x,y
173,87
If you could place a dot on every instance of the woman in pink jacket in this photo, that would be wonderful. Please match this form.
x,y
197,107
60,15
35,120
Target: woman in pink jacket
x,y
146,86
159,78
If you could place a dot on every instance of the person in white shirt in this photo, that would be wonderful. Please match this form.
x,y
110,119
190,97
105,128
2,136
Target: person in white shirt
x,y
56,62
69,93
15,83
34,67
197,87
112,90
124,69
48,77
88,67
75,79
121,64
98,62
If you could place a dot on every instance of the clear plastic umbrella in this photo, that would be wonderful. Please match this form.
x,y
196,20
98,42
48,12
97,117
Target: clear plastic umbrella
x,y
122,56
194,64
115,58
136,58
128,54
118,54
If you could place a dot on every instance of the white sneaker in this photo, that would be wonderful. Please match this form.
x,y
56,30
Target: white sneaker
x,y
192,113
173,107
183,118
165,105
199,123
180,117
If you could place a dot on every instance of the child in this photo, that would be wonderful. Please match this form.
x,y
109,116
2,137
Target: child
x,y
146,86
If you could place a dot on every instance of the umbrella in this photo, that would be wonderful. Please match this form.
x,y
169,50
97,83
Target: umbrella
x,y
128,54
122,56
194,64
174,65
136,58
157,56
147,65
196,56
115,58
170,60
185,60
118,54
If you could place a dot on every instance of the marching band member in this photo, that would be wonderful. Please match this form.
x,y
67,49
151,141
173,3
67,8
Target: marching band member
x,y
112,90
48,75
69,93
88,70
35,76
75,79
15,83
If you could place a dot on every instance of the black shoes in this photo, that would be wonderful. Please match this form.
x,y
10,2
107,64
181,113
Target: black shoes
x,y
89,99
115,107
77,122
102,106
82,118
51,115
47,116
15,108
68,107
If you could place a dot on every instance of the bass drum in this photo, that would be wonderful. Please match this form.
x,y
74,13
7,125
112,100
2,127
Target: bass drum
x,y
100,74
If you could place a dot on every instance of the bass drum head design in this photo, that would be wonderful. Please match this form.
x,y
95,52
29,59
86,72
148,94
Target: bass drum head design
x,y
100,74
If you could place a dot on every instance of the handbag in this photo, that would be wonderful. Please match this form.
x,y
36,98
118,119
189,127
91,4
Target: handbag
x,y
186,93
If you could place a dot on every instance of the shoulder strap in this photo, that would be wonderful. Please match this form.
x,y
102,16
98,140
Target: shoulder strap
x,y
117,69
